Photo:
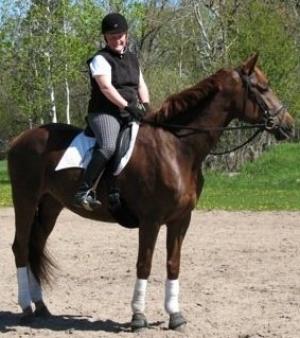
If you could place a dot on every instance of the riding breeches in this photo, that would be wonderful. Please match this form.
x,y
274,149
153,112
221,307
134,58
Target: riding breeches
x,y
106,129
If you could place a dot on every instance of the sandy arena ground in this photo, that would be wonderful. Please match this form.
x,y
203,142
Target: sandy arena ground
x,y
240,278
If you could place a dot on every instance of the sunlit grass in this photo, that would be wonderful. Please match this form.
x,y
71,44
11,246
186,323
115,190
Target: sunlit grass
x,y
270,183
5,189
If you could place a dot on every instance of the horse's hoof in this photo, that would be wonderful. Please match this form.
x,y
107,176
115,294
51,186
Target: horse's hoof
x,y
41,310
177,322
27,316
138,322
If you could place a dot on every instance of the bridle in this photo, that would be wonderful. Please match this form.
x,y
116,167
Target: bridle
x,y
268,122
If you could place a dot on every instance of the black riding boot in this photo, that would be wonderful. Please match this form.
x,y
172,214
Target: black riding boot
x,y
84,197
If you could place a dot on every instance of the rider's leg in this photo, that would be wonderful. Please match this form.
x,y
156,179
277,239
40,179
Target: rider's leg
x,y
106,129
95,167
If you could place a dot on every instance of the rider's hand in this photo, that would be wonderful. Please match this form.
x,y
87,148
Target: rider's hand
x,y
136,111
147,107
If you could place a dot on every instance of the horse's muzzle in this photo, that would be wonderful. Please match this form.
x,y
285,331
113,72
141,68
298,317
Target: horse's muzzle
x,y
285,128
283,133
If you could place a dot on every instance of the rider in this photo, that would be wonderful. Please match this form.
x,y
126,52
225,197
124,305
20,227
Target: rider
x,y
118,93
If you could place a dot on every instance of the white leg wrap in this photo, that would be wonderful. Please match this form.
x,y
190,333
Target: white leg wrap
x,y
139,295
35,287
24,298
171,296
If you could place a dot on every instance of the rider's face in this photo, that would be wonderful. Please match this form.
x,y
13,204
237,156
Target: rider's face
x,y
117,41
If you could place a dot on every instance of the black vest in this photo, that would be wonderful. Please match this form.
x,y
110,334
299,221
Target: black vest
x,y
125,74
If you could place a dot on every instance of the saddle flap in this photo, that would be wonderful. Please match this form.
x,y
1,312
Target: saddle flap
x,y
131,136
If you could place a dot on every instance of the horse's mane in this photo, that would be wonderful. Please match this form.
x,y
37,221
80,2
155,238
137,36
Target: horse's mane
x,y
184,102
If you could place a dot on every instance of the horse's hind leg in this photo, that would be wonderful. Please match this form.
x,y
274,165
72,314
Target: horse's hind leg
x,y
24,215
39,262
34,222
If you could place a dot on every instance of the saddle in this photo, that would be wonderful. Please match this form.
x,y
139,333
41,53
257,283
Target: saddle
x,y
123,144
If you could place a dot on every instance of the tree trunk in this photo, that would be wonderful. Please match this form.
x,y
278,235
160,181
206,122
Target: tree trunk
x,y
49,69
67,88
68,119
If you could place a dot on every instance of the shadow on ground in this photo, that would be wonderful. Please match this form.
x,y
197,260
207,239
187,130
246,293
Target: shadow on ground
x,y
9,321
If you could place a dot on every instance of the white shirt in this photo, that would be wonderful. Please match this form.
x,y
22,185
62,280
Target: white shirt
x,y
100,66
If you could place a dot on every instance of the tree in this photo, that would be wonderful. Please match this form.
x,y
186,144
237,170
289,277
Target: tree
x,y
262,28
44,45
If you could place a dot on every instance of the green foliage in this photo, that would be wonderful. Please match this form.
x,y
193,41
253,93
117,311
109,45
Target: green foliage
x,y
43,49
163,86
45,44
263,28
270,183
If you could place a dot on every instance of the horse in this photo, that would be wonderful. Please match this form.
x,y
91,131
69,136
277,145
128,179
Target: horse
x,y
161,183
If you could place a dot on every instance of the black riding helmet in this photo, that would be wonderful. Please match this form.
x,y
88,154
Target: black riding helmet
x,y
114,23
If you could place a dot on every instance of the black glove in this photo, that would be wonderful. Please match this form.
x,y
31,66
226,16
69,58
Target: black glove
x,y
137,112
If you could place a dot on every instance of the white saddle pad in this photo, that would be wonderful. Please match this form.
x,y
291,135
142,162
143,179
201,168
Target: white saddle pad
x,y
79,152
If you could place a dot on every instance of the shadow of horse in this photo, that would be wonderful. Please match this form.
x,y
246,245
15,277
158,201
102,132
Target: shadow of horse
x,y
9,321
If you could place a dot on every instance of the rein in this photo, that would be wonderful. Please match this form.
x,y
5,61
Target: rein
x,y
193,131
258,131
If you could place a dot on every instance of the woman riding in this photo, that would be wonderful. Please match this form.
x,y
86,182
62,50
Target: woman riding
x,y
118,93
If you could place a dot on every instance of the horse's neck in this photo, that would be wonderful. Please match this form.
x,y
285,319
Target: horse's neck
x,y
210,125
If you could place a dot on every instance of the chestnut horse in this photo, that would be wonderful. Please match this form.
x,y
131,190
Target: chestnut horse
x,y
161,183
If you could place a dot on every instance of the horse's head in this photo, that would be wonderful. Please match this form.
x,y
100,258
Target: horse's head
x,y
258,103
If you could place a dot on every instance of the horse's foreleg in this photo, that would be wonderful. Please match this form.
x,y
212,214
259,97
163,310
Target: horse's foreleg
x,y
147,240
176,231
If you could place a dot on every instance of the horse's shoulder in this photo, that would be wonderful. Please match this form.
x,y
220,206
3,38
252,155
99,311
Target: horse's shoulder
x,y
157,140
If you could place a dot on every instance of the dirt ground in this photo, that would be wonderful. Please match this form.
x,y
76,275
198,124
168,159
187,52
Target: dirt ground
x,y
240,278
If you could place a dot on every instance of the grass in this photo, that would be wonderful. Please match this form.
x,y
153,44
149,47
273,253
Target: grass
x,y
270,183
5,190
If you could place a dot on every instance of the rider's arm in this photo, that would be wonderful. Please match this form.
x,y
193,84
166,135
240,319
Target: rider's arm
x,y
101,72
106,87
143,90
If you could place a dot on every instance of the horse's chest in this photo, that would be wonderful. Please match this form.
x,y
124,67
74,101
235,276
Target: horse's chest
x,y
178,182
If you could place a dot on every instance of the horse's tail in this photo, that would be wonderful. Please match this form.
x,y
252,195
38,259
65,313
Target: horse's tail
x,y
41,264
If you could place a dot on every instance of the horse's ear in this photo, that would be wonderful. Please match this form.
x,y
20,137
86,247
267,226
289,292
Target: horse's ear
x,y
249,64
